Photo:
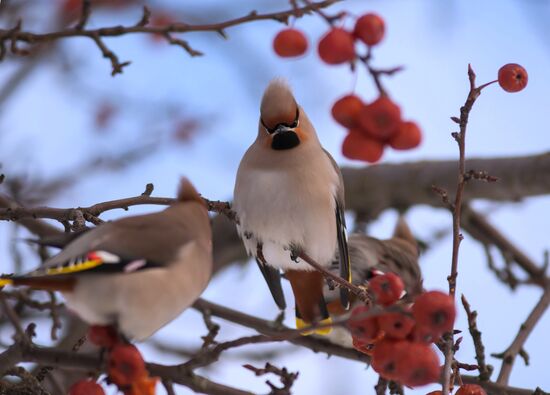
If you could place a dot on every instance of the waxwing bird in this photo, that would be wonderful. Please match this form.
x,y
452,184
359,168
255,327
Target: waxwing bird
x,y
369,257
289,198
137,273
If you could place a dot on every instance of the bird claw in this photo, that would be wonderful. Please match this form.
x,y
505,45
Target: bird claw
x,y
280,319
295,254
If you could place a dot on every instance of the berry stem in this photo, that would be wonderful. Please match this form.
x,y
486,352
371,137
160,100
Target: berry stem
x,y
479,88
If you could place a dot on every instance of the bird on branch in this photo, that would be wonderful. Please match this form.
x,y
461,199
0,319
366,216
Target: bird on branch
x,y
289,198
370,257
136,273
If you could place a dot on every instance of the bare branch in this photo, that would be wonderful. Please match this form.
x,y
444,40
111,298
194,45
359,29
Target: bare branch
x,y
276,330
287,378
481,229
16,35
509,356
456,211
484,369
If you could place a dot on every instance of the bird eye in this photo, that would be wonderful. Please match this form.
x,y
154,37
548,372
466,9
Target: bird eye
x,y
296,120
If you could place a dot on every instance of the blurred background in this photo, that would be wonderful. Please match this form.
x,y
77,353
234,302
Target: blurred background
x,y
72,135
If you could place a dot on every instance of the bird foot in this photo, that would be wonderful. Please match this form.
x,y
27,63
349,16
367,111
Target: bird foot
x,y
295,253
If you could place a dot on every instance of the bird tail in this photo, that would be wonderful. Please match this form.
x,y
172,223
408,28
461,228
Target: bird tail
x,y
301,323
41,283
311,307
5,281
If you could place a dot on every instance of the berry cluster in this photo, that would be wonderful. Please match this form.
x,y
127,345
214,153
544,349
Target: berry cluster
x,y
337,46
125,366
372,126
399,341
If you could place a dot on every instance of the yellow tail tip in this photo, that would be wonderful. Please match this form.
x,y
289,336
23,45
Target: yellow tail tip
x,y
5,281
301,324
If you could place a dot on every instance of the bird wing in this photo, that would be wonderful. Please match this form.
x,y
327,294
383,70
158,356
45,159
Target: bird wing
x,y
272,277
126,245
341,232
371,256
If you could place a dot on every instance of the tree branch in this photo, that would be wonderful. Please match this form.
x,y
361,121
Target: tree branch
x,y
183,374
273,329
16,35
509,356
478,226
484,369
456,209
373,189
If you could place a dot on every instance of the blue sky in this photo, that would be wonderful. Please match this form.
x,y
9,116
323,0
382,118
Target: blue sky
x,y
47,128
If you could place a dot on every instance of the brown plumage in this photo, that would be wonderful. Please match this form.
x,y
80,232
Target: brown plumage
x,y
138,272
399,255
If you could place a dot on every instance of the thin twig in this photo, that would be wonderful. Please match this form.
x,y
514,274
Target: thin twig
x,y
456,212
88,213
525,330
287,378
357,291
14,319
16,35
484,369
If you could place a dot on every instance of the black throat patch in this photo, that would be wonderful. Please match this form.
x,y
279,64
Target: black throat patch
x,y
285,140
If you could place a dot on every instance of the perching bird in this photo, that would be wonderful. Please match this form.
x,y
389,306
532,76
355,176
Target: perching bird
x,y
289,198
136,273
370,256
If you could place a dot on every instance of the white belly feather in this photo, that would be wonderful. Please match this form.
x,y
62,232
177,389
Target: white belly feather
x,y
282,209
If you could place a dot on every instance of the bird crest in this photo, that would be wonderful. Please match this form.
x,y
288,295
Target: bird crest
x,y
188,193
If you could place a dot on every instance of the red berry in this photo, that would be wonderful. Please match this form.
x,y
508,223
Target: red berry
x,y
396,325
346,110
86,387
365,347
422,334
434,312
471,389
364,328
387,357
419,365
369,28
438,392
408,136
387,288
126,365
103,336
381,118
289,43
336,47
358,147
512,77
